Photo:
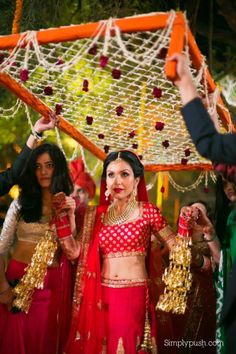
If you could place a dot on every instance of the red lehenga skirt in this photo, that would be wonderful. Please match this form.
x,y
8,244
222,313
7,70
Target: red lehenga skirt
x,y
125,309
38,331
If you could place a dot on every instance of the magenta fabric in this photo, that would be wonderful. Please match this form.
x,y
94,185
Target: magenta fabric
x,y
125,317
39,331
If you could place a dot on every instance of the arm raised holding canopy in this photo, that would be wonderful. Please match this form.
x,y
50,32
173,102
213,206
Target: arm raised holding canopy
x,y
208,141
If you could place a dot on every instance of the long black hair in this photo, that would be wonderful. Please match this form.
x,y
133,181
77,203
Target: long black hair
x,y
30,195
127,156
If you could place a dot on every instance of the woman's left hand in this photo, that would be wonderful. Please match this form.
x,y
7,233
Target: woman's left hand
x,y
202,222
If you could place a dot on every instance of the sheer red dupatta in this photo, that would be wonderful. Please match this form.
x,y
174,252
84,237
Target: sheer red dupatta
x,y
88,333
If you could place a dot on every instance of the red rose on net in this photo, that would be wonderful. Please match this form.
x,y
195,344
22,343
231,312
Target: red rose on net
x,y
89,120
159,126
187,152
132,134
93,50
58,108
184,161
48,90
24,74
157,92
119,110
116,73
166,143
103,61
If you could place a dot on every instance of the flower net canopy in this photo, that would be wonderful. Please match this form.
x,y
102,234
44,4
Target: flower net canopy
x,y
108,84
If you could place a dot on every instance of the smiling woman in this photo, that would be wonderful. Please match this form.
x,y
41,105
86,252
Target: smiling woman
x,y
35,291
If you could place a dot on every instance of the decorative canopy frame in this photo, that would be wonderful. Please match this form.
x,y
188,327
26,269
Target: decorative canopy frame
x,y
111,87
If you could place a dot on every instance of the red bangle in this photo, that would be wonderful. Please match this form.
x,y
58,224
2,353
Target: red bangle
x,y
62,226
184,228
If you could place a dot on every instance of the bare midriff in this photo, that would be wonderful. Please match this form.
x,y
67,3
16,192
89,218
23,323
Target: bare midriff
x,y
132,267
24,251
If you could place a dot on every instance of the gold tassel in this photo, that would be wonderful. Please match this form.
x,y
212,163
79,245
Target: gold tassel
x,y
35,271
177,278
146,345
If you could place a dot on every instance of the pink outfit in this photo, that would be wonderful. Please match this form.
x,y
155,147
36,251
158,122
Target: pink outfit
x,y
44,329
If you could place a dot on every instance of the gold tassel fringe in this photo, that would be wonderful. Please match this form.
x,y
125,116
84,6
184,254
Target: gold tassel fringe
x,y
146,345
177,278
35,271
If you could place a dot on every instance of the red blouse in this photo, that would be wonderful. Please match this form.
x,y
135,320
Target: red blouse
x,y
131,238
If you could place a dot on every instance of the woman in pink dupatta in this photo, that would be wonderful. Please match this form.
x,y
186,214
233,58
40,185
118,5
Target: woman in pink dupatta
x,y
37,324
113,305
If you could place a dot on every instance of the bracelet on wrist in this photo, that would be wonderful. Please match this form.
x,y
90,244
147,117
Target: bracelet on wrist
x,y
38,136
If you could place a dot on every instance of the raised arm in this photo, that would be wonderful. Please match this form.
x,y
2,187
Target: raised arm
x,y
209,143
9,177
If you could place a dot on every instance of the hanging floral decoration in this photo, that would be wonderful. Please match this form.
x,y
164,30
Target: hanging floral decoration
x,y
135,146
157,92
116,73
162,53
93,50
159,126
59,61
89,120
103,61
119,110
85,85
162,189
48,90
187,152
106,148
59,108
24,74
132,134
166,144
184,161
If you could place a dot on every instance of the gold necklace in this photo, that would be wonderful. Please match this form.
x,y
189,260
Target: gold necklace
x,y
112,219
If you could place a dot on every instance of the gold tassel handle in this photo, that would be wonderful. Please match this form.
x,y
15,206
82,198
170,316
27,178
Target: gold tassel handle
x,y
177,278
35,271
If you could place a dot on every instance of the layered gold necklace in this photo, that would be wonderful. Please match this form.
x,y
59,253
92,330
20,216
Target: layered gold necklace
x,y
112,219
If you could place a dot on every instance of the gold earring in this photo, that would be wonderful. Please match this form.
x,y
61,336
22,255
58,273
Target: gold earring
x,y
107,193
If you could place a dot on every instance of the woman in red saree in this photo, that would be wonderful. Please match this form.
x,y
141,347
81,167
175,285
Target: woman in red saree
x,y
113,307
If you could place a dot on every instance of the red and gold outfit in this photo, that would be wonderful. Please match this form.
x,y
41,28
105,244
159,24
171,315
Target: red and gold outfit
x,y
109,315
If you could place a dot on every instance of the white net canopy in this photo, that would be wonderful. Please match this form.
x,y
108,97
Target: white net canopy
x,y
111,87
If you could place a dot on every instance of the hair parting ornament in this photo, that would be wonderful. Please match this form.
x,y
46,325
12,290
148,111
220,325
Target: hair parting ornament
x,y
118,156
